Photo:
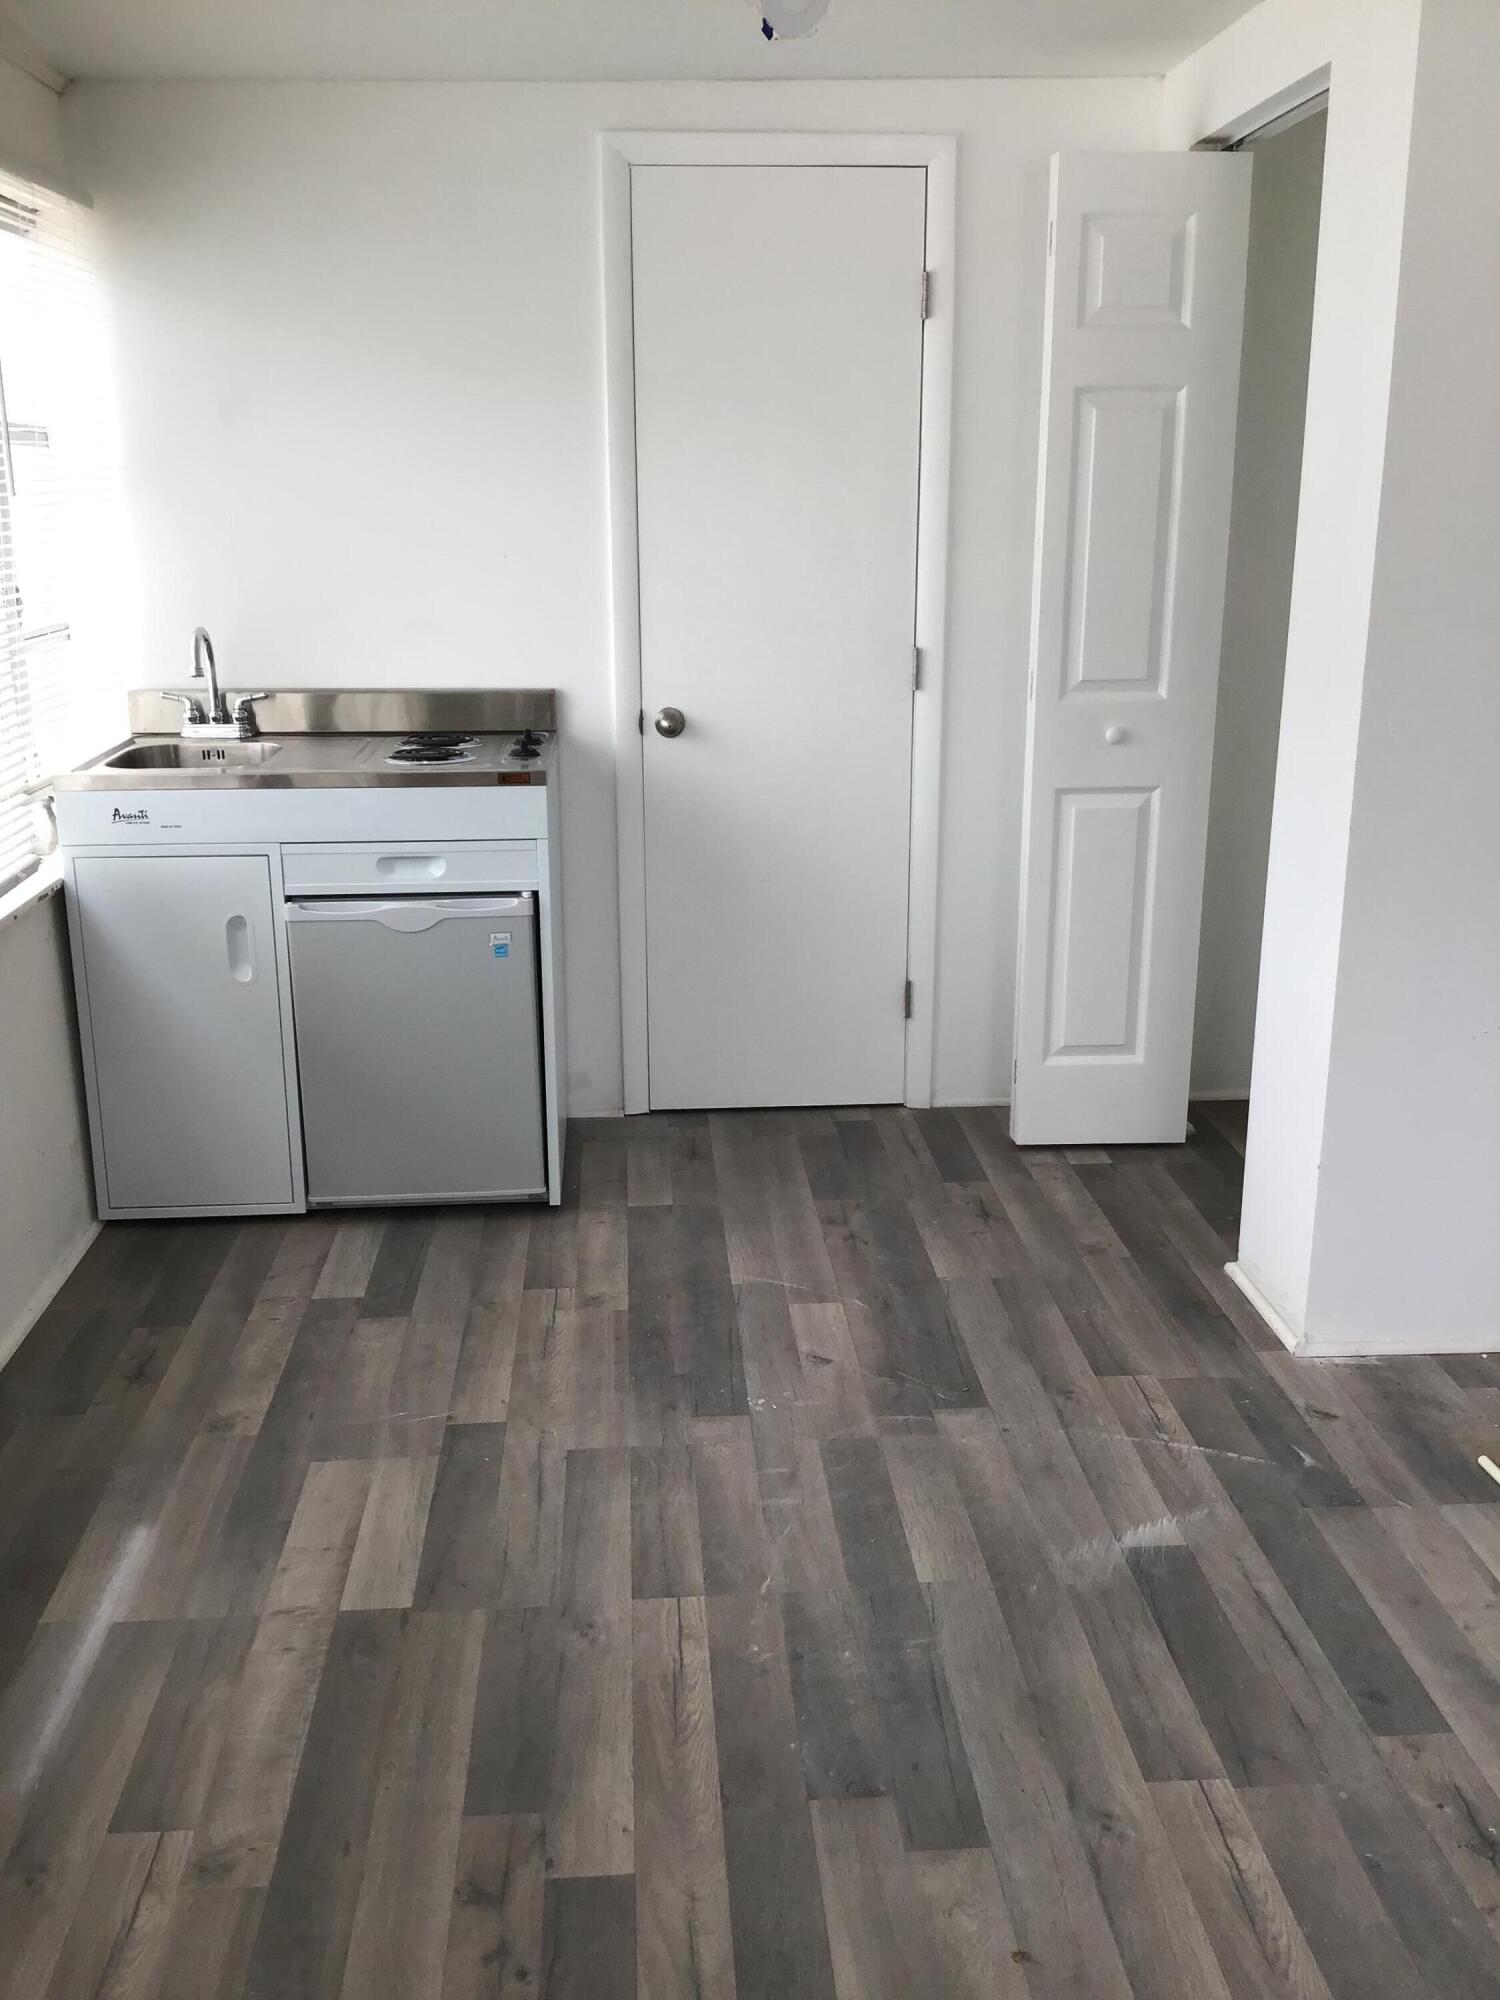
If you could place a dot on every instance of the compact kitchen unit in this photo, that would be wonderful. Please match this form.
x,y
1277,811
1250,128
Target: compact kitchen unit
x,y
320,964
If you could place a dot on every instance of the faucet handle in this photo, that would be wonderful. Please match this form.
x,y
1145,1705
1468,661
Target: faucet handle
x,y
244,714
191,712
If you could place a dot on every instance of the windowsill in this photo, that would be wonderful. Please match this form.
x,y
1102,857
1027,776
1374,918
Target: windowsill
x,y
35,889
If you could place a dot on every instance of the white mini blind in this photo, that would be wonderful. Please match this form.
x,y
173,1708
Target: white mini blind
x,y
64,571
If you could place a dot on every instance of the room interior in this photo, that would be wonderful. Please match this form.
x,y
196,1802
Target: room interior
x,y
749,1096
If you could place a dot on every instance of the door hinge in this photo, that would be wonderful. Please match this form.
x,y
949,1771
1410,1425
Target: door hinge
x,y
927,295
916,668
640,723
907,1001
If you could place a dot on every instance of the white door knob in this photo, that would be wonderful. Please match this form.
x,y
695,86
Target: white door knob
x,y
1115,734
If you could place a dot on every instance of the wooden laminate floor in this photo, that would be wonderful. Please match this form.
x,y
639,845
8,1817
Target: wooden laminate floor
x,y
835,1555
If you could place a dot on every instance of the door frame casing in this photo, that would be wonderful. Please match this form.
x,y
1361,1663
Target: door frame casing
x,y
938,156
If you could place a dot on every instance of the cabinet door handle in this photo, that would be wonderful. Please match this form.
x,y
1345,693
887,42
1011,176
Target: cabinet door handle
x,y
238,941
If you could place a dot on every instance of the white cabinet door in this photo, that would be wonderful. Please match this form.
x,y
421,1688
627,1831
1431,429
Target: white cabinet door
x,y
183,1031
1145,297
778,382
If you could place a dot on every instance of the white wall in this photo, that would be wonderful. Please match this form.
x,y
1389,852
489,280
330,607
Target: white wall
x,y
46,1200
31,134
1261,63
1373,1165
46,1195
1268,54
1405,1253
1285,202
361,360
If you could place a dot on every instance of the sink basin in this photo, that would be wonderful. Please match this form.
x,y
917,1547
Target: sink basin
x,y
299,759
180,756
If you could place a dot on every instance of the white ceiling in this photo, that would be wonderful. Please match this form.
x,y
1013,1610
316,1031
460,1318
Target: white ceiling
x,y
612,39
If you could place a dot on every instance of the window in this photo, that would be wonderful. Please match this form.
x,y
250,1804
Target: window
x,y
63,563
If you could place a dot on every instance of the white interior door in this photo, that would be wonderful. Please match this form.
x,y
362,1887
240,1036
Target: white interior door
x,y
1145,298
778,378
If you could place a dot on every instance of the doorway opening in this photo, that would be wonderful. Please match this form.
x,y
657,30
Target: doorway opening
x,y
1286,199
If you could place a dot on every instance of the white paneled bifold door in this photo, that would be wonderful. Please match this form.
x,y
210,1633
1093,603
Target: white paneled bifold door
x,y
1145,299
778,383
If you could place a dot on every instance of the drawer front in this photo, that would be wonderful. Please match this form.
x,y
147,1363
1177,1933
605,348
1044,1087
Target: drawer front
x,y
408,867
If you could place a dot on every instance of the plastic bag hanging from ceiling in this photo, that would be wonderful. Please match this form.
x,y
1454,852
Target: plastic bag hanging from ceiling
x,y
784,20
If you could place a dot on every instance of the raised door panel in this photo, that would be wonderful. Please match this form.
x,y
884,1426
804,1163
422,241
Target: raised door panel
x,y
1138,269
1124,530
1100,922
183,1031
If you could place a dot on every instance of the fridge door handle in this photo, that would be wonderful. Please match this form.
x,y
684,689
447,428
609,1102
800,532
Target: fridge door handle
x,y
406,913
364,909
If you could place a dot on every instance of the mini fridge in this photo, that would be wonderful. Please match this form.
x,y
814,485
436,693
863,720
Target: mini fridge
x,y
418,1048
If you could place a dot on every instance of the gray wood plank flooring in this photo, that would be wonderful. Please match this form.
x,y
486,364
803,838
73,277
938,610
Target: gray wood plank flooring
x,y
837,1556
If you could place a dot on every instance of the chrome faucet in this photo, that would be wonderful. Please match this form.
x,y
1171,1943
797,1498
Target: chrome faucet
x,y
204,668
217,723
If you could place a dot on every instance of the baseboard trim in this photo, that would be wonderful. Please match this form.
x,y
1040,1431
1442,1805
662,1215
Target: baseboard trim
x,y
1365,1350
1353,1350
62,1269
1237,1276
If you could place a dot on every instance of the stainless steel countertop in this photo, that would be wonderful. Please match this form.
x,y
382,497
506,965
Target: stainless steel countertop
x,y
287,762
